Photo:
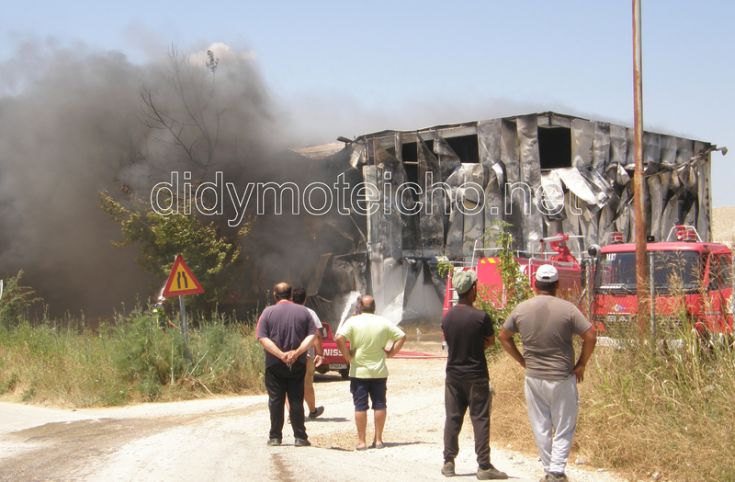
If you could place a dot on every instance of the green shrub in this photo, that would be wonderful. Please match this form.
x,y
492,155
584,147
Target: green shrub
x,y
16,302
132,359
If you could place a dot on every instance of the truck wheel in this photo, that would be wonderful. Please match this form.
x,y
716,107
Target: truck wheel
x,y
345,372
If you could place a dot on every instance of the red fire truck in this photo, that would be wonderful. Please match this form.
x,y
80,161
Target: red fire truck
x,y
689,277
554,250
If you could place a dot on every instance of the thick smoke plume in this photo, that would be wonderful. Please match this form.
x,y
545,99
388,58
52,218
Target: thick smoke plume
x,y
74,122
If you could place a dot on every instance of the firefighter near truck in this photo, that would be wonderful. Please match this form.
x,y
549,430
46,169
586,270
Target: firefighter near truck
x,y
690,282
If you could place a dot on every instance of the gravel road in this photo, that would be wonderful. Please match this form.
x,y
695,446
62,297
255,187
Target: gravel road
x,y
224,439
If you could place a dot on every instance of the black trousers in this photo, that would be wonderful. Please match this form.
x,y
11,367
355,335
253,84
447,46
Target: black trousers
x,y
282,381
458,396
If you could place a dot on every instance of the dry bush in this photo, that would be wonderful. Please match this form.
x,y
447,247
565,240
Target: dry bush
x,y
509,424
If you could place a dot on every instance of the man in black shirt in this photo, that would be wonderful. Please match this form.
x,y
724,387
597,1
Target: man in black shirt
x,y
286,332
468,332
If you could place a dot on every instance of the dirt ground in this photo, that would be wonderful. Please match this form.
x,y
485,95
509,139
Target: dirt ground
x,y
225,439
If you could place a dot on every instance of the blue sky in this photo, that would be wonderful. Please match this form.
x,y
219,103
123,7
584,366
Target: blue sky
x,y
374,65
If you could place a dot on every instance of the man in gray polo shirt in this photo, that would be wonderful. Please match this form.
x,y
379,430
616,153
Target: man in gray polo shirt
x,y
546,325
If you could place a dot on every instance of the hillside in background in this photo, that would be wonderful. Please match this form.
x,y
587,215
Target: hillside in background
x,y
723,224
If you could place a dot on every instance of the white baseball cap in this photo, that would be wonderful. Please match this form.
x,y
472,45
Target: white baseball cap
x,y
547,273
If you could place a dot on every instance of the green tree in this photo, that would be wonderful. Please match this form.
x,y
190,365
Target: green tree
x,y
16,302
211,254
516,286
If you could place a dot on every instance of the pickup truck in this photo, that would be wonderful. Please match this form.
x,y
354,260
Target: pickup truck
x,y
333,359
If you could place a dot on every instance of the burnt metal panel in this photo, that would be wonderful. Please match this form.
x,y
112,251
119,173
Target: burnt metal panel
x,y
455,232
684,151
703,190
531,175
618,145
668,151
473,195
552,204
513,204
432,215
601,147
490,154
651,152
630,153
448,159
572,213
488,141
582,137
655,195
493,202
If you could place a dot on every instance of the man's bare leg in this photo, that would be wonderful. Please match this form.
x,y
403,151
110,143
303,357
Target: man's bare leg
x,y
361,423
380,416
309,396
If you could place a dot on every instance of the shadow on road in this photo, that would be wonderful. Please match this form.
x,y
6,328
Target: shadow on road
x,y
327,419
328,378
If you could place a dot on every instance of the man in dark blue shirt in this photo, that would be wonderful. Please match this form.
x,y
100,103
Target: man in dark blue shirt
x,y
286,331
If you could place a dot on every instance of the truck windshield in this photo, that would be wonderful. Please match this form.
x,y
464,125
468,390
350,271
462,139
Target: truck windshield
x,y
672,270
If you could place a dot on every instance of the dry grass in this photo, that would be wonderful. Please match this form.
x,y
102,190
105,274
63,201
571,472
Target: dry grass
x,y
509,417
641,412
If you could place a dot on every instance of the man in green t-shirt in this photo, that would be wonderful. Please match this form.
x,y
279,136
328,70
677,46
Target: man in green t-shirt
x,y
369,335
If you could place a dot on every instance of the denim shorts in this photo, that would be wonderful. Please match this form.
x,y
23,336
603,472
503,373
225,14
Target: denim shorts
x,y
374,387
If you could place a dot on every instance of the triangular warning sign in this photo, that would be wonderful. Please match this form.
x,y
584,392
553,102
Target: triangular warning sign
x,y
181,281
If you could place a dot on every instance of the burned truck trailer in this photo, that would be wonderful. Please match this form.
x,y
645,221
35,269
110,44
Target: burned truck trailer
x,y
440,191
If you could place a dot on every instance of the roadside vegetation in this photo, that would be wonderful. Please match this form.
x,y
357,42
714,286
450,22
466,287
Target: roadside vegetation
x,y
642,411
129,358
649,409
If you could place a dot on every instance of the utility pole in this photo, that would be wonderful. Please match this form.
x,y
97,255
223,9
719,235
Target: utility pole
x,y
641,258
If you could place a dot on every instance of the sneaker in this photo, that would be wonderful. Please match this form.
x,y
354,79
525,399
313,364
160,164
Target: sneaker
x,y
274,442
301,442
316,413
491,473
556,477
448,469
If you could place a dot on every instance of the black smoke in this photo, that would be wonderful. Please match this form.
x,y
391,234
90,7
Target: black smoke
x,y
75,121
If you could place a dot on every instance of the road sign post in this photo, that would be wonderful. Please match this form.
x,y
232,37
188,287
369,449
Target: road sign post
x,y
182,282
184,328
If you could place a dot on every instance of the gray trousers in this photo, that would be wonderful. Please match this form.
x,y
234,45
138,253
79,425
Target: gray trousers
x,y
552,410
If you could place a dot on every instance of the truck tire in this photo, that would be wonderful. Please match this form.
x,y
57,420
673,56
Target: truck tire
x,y
345,372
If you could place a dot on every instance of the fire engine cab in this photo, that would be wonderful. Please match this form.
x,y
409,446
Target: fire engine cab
x,y
688,276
